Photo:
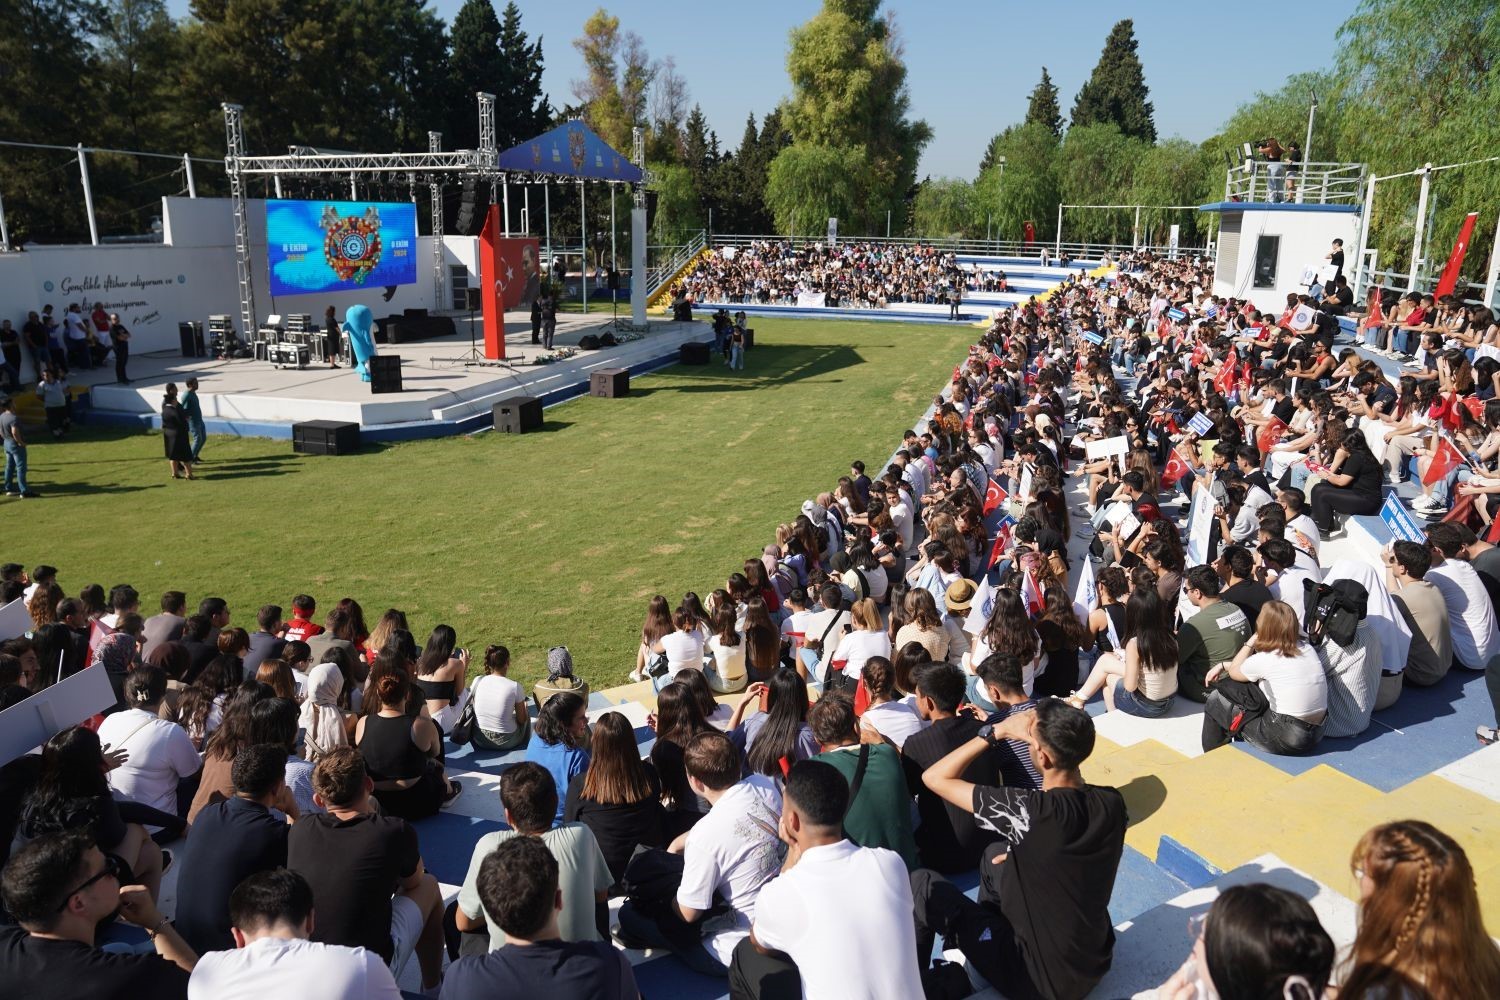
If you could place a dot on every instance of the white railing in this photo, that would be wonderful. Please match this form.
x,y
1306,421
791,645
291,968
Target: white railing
x,y
1308,184
1085,252
666,269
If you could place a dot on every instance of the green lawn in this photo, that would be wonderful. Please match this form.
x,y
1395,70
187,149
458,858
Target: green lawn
x,y
531,541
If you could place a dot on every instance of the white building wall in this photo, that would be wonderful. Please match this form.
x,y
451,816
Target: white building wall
x,y
1306,236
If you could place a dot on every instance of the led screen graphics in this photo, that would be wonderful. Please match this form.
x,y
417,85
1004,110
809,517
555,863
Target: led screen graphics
x,y
340,246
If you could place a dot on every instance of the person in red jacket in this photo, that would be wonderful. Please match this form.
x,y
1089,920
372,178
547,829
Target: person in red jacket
x,y
301,627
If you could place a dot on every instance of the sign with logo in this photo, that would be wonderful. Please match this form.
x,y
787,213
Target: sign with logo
x,y
1201,424
1396,517
833,231
1172,237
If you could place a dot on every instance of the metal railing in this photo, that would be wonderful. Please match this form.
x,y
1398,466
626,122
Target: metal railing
x,y
675,260
1307,184
1083,252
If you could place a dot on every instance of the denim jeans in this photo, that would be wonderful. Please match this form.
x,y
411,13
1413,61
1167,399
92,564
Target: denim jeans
x,y
1276,181
736,356
197,434
15,467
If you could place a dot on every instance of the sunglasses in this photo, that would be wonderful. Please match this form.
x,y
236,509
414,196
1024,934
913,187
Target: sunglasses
x,y
113,868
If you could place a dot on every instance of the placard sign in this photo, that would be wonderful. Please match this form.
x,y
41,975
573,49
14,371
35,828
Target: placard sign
x,y
32,722
1302,318
1201,424
1092,337
1107,447
1176,314
1399,520
14,619
1200,525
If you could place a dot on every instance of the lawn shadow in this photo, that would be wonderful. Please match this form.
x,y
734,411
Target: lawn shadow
x,y
89,489
549,426
766,365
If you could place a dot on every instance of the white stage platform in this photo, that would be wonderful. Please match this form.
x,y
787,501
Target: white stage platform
x,y
252,398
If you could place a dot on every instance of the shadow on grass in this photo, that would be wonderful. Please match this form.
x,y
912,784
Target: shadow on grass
x,y
549,426
90,489
766,365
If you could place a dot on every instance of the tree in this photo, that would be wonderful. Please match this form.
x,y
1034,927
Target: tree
x,y
1116,92
669,98
849,94
1095,168
1025,189
618,79
521,109
474,64
944,208
678,212
1173,172
808,184
1043,108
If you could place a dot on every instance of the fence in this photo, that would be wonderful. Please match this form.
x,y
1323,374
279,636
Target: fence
x,y
1314,183
1090,252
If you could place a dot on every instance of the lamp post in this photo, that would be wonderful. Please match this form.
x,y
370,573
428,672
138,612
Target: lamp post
x,y
1312,114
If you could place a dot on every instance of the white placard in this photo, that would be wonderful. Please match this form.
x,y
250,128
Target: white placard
x,y
32,722
1107,447
811,300
14,619
833,230
1025,496
1302,317
1200,524
1127,526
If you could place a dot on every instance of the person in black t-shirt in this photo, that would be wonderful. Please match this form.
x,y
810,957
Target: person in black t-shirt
x,y
518,884
1236,568
1041,927
366,871
948,839
59,887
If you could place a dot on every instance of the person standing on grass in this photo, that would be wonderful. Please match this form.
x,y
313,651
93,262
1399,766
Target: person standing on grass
x,y
192,409
174,435
737,347
15,451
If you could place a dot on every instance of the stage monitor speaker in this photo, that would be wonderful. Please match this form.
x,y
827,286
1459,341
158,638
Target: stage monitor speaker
x,y
607,339
749,338
414,313
325,437
518,415
609,383
694,353
191,337
385,373
588,342
471,300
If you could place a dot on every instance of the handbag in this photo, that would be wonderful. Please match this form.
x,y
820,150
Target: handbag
x,y
656,663
463,729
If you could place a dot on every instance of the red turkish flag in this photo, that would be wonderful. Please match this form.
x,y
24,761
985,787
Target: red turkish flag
x,y
994,496
1493,535
1002,542
1177,467
1443,462
1376,315
1475,406
1270,434
1449,281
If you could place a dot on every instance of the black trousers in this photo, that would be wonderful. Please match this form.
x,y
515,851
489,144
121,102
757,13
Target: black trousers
x,y
1239,708
1328,499
754,976
122,355
979,930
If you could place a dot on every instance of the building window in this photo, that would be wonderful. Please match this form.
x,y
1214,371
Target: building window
x,y
1267,250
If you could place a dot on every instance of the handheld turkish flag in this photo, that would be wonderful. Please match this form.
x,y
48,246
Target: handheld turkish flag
x,y
1444,460
1449,281
1031,595
1177,467
994,496
1375,315
1270,434
1493,535
1475,406
1002,540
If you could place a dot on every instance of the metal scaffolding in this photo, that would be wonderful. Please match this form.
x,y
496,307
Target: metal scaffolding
x,y
234,136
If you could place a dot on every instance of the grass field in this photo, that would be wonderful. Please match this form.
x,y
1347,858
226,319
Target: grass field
x,y
550,538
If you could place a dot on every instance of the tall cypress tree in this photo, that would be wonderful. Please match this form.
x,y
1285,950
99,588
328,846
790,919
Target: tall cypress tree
x,y
521,109
1116,92
1043,108
475,64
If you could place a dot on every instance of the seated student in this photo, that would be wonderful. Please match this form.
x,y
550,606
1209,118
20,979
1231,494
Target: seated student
x,y
1263,940
889,716
501,720
947,838
58,888
530,800
1236,567
366,872
1351,669
232,840
879,814
1471,617
267,641
619,796
794,951
1000,676
1209,638
403,752
1030,936
1273,694
302,628
519,885
271,917
730,853
779,732
161,756
1424,611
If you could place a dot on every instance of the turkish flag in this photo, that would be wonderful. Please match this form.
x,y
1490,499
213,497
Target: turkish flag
x,y
1446,459
1031,595
994,496
1461,509
1002,541
1177,467
1475,406
1375,315
1270,434
1449,281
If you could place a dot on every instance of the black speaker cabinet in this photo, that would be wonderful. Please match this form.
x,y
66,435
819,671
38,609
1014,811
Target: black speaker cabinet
x,y
610,383
191,336
414,313
518,414
471,300
694,353
325,437
385,373
588,342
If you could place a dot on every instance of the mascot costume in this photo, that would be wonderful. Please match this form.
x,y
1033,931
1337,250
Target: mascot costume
x,y
358,324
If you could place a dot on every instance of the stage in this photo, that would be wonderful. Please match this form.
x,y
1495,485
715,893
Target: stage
x,y
248,398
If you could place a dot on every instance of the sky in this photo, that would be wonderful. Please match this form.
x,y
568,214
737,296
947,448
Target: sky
x,y
971,64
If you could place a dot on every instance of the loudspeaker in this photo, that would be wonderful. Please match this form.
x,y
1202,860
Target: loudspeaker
x,y
749,338
614,280
588,342
518,414
609,383
385,373
191,337
414,313
471,300
325,437
693,353
465,218
607,339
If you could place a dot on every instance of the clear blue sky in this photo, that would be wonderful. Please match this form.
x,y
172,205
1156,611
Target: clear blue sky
x,y
971,63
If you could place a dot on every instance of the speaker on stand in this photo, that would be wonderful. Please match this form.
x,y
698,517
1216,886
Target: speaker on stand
x,y
465,219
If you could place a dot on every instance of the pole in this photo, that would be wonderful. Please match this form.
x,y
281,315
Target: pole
x,y
887,223
1489,285
353,192
88,195
187,167
1416,243
526,210
4,232
276,180
1057,250
1361,279
1135,234
507,208
1312,113
583,236
614,264
547,221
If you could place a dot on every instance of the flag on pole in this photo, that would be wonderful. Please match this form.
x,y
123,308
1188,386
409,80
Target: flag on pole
x,y
981,607
1444,460
1087,593
1002,540
1270,434
1374,316
1176,468
1449,281
994,496
98,632
1031,595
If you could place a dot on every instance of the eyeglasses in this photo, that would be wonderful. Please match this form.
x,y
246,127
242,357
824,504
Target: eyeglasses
x,y
113,868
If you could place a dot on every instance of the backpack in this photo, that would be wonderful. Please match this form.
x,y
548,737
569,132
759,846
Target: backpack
x,y
1327,326
1333,610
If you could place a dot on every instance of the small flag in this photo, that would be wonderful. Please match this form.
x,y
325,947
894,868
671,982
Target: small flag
x,y
1444,460
1031,595
98,632
1176,468
1087,593
1376,315
983,606
1270,434
1002,540
994,496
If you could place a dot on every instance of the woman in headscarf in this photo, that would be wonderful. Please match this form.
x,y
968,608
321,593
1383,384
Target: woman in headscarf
x,y
1385,622
323,723
117,652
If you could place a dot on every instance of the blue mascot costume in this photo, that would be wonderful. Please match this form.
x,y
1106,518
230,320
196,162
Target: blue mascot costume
x,y
358,324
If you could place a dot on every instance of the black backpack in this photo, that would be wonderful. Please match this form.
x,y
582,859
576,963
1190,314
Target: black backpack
x,y
1333,610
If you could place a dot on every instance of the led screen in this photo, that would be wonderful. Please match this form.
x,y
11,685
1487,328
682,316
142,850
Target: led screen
x,y
340,246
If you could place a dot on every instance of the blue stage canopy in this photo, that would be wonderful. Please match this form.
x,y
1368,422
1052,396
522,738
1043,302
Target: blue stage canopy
x,y
571,150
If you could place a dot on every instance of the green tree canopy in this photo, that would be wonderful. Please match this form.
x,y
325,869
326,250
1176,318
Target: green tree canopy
x,y
1043,108
808,184
1116,91
943,207
1095,167
1025,188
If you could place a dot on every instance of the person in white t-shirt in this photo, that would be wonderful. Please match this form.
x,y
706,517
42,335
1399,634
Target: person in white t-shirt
x,y
888,716
271,917
867,639
826,626
683,647
1476,637
866,887
160,752
730,854
1273,694
501,720
727,674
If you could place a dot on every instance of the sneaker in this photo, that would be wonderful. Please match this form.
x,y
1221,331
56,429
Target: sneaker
x,y
1488,735
452,795
30,495
1426,502
11,493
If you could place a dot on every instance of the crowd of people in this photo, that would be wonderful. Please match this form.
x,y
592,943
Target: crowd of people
x,y
909,664
851,275
79,340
